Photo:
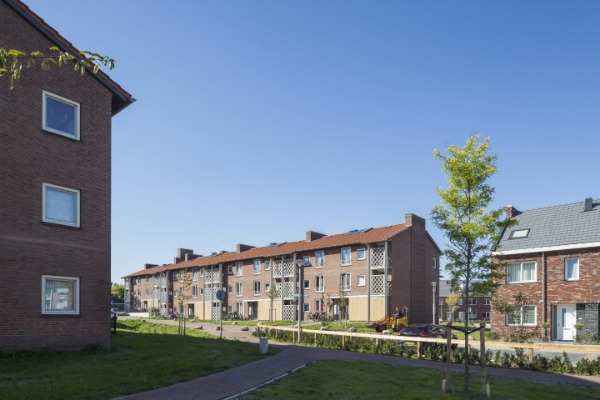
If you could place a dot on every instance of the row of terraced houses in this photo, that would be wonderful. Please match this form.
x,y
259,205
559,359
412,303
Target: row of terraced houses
x,y
377,270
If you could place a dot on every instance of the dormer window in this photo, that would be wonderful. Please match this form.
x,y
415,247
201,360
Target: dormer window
x,y
519,234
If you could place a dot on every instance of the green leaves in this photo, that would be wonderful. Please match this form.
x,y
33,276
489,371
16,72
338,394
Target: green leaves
x,y
13,61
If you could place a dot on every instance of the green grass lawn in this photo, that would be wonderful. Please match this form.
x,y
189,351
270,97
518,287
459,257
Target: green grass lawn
x,y
358,380
341,326
144,356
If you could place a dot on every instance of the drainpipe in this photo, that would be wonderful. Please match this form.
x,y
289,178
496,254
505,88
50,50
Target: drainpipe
x,y
544,288
294,285
282,285
368,282
271,283
220,287
385,280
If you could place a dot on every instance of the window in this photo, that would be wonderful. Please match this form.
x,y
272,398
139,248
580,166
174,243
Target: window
x,y
361,281
230,270
345,282
194,291
460,301
472,315
256,288
319,283
267,287
202,291
229,289
346,256
319,259
60,115
524,315
572,269
60,295
238,289
256,270
306,284
521,272
487,301
306,261
174,276
195,274
361,254
147,278
147,291
519,234
435,262
60,205
485,315
238,269
240,308
472,302
267,265
306,307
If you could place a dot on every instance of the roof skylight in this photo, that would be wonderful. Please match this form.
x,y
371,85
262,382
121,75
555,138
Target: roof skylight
x,y
519,234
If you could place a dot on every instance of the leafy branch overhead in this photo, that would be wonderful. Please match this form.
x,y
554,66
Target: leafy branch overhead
x,y
13,62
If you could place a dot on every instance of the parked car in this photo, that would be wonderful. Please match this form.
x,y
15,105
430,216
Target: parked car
x,y
424,330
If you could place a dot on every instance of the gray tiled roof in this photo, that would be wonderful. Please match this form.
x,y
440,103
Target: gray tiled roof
x,y
566,224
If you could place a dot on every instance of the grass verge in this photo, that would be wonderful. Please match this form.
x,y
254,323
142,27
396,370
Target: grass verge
x,y
360,380
144,356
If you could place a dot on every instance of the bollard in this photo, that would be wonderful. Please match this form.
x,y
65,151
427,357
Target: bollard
x,y
263,345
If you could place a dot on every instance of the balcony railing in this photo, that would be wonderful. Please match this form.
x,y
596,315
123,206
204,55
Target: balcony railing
x,y
377,284
283,269
288,290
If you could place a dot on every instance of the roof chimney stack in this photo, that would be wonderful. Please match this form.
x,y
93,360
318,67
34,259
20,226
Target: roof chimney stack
x,y
148,266
511,212
243,247
589,204
310,236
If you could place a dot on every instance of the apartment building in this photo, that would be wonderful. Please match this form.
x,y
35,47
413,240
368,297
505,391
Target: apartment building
x,y
360,275
55,157
552,265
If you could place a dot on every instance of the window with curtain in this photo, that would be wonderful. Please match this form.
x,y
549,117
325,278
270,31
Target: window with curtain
x,y
521,272
60,295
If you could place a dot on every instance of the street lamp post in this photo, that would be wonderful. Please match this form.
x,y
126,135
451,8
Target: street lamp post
x,y
433,286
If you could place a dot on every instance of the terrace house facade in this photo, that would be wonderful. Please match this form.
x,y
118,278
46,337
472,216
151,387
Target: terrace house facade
x,y
55,157
478,308
552,258
376,270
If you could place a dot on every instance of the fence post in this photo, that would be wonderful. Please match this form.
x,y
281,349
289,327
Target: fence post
x,y
530,357
485,386
446,386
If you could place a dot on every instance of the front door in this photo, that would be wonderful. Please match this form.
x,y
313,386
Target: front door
x,y
565,321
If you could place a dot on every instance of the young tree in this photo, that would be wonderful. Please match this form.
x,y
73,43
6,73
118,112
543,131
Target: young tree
x,y
343,304
468,225
185,281
272,296
13,61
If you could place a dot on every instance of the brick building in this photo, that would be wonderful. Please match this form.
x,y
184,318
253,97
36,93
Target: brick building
x,y
376,269
552,257
478,307
55,157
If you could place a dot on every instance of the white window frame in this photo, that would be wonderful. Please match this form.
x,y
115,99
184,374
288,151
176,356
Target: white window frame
x,y
229,289
256,285
256,267
306,307
239,268
460,301
318,288
520,311
195,274
364,252
485,315
520,272
267,287
320,259
519,234
348,282
194,292
230,270
487,301
472,315
239,289
267,265
472,301
347,250
76,297
77,106
306,284
77,193
359,278
305,261
575,276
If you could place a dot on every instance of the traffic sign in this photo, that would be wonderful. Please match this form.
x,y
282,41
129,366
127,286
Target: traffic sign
x,y
300,295
220,295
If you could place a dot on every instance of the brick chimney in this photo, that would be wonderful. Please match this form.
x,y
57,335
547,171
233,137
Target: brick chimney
x,y
190,256
511,212
588,204
414,220
148,266
242,247
181,254
310,236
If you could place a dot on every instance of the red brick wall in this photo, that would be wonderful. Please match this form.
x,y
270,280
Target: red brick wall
x,y
30,157
558,291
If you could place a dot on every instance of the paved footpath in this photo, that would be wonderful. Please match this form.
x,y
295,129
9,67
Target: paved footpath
x,y
237,380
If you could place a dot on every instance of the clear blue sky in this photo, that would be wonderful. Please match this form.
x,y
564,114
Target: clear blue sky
x,y
259,120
